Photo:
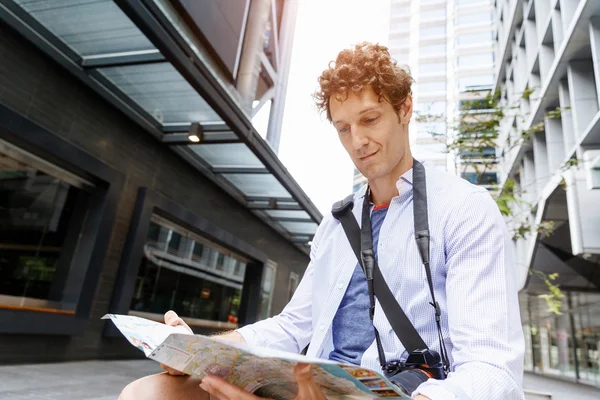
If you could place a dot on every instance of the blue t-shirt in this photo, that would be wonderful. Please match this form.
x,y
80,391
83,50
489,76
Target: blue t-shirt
x,y
352,328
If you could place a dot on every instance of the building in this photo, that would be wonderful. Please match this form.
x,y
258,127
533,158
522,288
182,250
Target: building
x,y
548,63
447,45
132,180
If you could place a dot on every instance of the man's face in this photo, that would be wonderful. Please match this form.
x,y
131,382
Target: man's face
x,y
371,132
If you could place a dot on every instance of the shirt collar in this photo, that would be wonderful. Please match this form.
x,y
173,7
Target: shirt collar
x,y
405,179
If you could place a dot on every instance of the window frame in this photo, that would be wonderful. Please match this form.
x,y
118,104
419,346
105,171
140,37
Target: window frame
x,y
94,232
150,202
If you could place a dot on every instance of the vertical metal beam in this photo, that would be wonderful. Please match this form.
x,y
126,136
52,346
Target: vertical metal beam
x,y
288,24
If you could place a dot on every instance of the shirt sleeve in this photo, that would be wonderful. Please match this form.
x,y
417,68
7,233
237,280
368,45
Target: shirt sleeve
x,y
292,329
482,307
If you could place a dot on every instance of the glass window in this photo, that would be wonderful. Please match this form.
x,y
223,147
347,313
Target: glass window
x,y
428,87
482,152
474,18
266,295
400,10
464,2
469,82
42,209
293,284
432,48
475,60
433,13
437,67
431,129
401,56
474,38
399,26
431,108
399,41
436,30
185,272
486,178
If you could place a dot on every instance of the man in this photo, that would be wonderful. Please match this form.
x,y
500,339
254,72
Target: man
x,y
368,100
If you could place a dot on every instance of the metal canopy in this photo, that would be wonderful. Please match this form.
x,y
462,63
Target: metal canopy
x,y
151,73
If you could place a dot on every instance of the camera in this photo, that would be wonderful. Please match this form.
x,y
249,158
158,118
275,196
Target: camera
x,y
418,367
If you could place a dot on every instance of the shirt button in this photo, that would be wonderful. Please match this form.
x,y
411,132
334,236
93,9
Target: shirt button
x,y
322,327
340,286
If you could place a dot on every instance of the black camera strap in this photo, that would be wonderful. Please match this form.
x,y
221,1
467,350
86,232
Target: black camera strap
x,y
362,244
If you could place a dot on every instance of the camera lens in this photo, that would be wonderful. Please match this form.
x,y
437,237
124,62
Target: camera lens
x,y
409,380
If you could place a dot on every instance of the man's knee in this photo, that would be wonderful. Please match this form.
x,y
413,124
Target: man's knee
x,y
164,386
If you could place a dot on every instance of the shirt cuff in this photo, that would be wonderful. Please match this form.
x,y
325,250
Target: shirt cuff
x,y
249,335
436,390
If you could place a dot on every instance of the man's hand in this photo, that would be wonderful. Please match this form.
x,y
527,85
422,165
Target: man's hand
x,y
421,397
172,319
307,388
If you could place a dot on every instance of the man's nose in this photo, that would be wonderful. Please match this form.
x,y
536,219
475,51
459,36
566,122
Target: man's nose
x,y
359,139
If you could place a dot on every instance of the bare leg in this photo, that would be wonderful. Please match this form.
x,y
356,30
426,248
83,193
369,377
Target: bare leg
x,y
164,386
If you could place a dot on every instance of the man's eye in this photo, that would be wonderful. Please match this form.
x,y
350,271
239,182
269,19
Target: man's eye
x,y
371,120
344,130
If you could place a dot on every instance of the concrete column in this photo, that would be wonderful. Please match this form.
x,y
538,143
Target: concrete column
x,y
546,60
557,29
529,175
567,8
250,64
554,143
531,41
542,171
562,339
584,98
568,130
544,348
595,45
542,10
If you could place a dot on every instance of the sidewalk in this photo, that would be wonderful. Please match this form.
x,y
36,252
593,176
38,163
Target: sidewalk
x,y
103,380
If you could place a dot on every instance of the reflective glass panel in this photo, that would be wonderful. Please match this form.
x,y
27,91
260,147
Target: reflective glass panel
x,y
185,272
88,27
287,214
161,91
308,228
474,18
41,214
227,155
437,30
257,185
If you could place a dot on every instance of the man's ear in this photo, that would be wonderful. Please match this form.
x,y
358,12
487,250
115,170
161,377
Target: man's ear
x,y
406,110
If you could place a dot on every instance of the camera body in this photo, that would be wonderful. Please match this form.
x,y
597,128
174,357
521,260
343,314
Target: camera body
x,y
419,367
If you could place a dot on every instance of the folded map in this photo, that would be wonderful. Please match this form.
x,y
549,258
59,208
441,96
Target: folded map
x,y
264,372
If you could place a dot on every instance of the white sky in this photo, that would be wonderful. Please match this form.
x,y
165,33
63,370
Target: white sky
x,y
309,147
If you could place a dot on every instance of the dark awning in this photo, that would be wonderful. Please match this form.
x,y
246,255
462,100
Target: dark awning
x,y
135,56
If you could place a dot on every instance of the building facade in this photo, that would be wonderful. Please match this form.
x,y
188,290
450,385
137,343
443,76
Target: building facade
x,y
548,64
132,179
447,46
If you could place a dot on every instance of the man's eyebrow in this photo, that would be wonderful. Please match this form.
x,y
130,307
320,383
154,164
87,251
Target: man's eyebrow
x,y
366,110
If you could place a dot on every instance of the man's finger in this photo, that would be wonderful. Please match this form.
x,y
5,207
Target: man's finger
x,y
171,318
307,387
223,390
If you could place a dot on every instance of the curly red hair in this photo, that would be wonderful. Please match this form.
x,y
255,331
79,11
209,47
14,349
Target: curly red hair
x,y
354,69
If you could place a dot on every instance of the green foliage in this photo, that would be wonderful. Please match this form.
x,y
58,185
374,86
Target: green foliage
x,y
554,297
527,93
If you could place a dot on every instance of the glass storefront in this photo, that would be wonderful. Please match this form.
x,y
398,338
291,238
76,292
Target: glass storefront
x,y
42,208
187,273
564,345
